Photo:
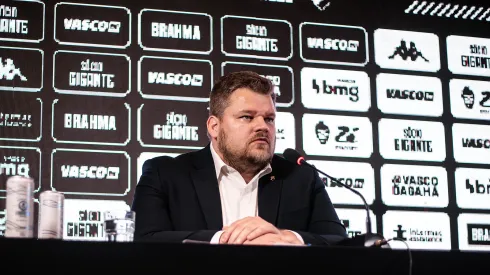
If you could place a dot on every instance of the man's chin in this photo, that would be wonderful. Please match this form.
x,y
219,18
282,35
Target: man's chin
x,y
260,157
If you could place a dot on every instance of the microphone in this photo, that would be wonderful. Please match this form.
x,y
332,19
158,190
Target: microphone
x,y
369,239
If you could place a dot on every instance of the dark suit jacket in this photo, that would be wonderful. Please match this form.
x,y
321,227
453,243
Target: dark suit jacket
x,y
178,198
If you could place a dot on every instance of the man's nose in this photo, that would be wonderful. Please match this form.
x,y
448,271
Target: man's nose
x,y
261,124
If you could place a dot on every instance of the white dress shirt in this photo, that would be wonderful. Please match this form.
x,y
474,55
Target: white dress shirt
x,y
238,199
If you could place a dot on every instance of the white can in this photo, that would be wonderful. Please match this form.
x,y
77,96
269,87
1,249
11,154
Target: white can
x,y
20,207
50,218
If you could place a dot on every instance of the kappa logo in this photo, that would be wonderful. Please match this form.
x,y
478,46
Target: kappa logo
x,y
402,51
9,71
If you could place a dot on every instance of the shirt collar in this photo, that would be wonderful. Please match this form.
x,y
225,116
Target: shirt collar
x,y
219,164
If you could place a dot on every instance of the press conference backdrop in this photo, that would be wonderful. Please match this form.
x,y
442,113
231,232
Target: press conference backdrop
x,y
391,97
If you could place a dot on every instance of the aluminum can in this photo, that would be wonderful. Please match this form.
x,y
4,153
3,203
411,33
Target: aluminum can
x,y
20,207
50,217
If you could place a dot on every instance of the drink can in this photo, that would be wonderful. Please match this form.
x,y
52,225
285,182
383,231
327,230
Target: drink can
x,y
20,207
50,218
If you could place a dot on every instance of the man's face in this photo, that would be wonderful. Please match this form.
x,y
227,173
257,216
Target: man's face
x,y
247,132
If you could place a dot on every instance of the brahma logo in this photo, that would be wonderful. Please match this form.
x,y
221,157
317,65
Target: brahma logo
x,y
474,232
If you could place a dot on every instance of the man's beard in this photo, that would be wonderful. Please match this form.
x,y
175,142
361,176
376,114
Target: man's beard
x,y
242,159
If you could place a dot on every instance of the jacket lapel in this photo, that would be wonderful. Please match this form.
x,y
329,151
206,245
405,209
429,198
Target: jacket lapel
x,y
269,195
206,185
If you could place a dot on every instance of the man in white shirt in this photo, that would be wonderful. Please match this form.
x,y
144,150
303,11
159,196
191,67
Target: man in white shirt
x,y
235,190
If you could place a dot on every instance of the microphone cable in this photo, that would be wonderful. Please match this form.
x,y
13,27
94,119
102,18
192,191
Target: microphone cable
x,y
383,242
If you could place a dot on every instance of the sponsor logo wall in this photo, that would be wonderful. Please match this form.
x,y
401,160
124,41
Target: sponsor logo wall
x,y
89,91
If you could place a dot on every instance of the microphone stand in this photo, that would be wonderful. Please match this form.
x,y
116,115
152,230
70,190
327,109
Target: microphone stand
x,y
369,239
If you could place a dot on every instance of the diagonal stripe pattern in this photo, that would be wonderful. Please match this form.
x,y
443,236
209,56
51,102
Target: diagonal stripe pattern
x,y
439,9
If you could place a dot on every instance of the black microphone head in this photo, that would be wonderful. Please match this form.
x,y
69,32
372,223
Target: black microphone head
x,y
293,156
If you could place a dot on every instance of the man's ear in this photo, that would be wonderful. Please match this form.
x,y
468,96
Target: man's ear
x,y
213,126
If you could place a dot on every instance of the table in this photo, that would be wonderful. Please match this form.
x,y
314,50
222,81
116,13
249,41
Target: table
x,y
31,255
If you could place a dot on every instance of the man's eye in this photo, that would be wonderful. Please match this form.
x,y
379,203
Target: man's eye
x,y
246,117
270,119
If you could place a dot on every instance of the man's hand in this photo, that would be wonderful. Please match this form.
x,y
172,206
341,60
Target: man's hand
x,y
271,239
250,228
247,229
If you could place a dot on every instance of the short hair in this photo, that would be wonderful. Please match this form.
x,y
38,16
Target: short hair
x,y
227,84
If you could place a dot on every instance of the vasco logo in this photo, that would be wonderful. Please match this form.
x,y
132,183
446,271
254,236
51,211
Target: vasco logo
x,y
468,55
478,143
175,79
90,172
356,175
409,185
75,24
409,95
190,78
92,25
342,44
406,50
356,183
478,234
333,44
335,89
